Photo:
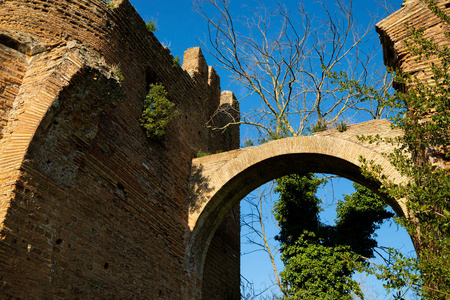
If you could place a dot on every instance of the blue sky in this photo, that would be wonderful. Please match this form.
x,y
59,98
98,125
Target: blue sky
x,y
180,27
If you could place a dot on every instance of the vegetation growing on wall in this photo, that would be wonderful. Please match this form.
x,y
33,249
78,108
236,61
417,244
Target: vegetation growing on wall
x,y
151,26
427,194
341,126
319,126
424,118
176,61
157,113
200,153
111,3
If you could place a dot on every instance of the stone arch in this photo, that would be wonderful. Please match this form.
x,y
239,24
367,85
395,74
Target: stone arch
x,y
220,181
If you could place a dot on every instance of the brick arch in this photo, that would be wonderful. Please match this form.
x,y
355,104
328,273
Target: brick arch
x,y
34,107
61,110
43,80
219,182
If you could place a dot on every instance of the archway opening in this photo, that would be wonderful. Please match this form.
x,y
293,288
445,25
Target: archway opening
x,y
222,181
260,251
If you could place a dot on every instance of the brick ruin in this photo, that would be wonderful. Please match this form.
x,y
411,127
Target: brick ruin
x,y
89,206
394,32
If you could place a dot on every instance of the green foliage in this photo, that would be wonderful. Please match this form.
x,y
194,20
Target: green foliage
x,y
320,259
111,3
248,143
399,274
157,113
275,131
425,120
428,193
319,126
363,93
117,71
119,74
341,126
432,5
297,209
176,62
151,26
359,215
315,271
200,153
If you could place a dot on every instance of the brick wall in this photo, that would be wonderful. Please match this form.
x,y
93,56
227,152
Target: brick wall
x,y
394,33
90,207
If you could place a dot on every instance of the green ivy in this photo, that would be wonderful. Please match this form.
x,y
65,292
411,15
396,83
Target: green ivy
x,y
423,116
157,113
320,271
320,259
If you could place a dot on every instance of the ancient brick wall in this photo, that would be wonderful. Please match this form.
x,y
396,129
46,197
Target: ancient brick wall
x,y
89,206
395,31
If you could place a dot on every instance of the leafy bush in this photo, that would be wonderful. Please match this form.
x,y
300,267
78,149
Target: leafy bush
x,y
157,113
248,143
423,116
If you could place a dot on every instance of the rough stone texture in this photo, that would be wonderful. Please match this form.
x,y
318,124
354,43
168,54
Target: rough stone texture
x,y
370,128
90,207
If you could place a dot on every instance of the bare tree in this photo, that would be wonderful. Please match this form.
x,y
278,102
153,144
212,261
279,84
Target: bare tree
x,y
255,221
294,62
308,71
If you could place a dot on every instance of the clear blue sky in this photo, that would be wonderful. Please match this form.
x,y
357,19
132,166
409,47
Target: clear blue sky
x,y
179,28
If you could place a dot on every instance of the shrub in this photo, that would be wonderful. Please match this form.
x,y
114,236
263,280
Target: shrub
x,y
151,26
157,113
248,143
119,74
341,126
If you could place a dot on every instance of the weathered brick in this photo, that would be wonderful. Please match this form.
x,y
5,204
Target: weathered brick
x,y
79,180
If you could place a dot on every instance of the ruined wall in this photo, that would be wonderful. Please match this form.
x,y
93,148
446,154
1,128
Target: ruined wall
x,y
394,31
89,206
